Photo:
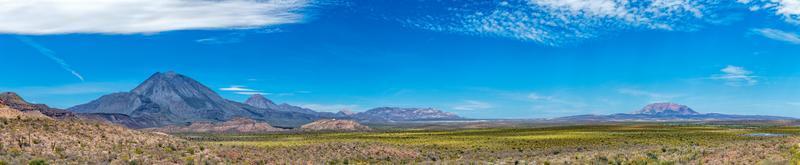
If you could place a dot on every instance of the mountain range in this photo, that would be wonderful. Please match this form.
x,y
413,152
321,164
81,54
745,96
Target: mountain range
x,y
665,112
170,98
392,114
173,99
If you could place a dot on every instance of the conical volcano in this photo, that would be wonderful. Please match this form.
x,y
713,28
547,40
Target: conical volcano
x,y
171,98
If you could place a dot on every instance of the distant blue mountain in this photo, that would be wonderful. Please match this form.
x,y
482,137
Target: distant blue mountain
x,y
666,112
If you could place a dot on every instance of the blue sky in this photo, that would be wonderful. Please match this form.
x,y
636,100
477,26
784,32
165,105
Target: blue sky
x,y
479,59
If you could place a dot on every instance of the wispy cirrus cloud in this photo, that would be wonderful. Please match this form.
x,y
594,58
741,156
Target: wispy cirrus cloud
x,y
556,22
736,76
41,17
230,38
469,105
788,9
778,35
50,54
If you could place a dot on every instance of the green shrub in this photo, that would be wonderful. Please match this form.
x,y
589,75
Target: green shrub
x,y
37,162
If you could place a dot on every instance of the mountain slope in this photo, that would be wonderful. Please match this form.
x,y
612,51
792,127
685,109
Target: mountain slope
x,y
30,135
170,98
665,112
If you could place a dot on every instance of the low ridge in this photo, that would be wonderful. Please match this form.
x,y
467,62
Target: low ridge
x,y
237,125
389,114
334,125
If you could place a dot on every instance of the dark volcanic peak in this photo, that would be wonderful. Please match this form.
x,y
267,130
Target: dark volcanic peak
x,y
170,84
404,114
171,98
666,109
260,101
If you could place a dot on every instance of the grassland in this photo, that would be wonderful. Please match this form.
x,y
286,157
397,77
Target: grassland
x,y
581,144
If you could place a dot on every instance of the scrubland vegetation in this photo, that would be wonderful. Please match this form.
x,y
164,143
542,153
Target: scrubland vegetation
x,y
32,141
47,141
590,144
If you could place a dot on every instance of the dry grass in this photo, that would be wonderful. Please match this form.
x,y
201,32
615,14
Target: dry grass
x,y
593,144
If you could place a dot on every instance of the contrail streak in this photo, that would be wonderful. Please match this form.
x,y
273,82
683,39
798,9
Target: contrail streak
x,y
50,54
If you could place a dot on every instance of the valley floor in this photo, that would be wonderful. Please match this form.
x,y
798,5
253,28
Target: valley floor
x,y
41,140
583,144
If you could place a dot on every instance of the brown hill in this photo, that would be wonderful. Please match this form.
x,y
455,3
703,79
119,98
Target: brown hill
x,y
84,142
237,125
334,125
14,101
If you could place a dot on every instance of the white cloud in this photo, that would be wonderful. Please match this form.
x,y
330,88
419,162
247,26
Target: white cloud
x,y
243,90
330,107
553,99
788,9
41,17
52,55
252,93
778,35
470,105
555,22
736,76
536,96
652,96
230,38
238,88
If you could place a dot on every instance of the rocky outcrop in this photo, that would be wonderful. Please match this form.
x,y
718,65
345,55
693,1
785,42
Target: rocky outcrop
x,y
238,125
334,125
666,109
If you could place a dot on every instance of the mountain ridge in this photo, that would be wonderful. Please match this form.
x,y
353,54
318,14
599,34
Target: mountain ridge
x,y
171,98
391,114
